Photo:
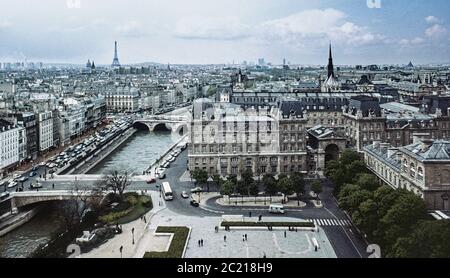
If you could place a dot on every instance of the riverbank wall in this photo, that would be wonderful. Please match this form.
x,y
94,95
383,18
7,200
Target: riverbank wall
x,y
18,221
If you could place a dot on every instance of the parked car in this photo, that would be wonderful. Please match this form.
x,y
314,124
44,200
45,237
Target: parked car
x,y
161,175
194,203
151,180
32,174
184,195
16,176
197,190
12,184
22,179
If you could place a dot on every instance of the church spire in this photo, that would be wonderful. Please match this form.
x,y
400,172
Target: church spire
x,y
330,64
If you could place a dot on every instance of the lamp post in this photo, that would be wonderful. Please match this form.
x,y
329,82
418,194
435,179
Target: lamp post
x,y
132,232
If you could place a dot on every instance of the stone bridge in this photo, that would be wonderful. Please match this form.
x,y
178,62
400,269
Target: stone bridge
x,y
178,124
21,199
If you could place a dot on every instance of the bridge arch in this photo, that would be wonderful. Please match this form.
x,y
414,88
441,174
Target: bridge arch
x,y
161,127
142,126
180,129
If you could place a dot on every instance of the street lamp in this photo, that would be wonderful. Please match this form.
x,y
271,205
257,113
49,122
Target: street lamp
x,y
132,232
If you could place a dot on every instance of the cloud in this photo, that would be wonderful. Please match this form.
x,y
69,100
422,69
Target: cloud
x,y
432,19
224,28
412,42
138,29
436,31
5,24
319,25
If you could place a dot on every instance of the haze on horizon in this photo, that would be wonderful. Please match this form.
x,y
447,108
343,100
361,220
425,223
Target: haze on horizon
x,y
223,31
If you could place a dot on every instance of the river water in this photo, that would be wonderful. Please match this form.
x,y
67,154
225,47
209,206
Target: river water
x,y
136,154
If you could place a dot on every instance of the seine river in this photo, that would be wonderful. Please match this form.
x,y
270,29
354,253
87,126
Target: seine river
x,y
136,155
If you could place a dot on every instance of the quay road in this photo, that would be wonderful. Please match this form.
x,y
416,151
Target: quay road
x,y
346,242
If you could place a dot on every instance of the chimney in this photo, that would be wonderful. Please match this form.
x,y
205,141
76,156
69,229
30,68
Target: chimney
x,y
391,151
376,144
384,147
426,144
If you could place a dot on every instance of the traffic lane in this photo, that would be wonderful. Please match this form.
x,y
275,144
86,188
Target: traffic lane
x,y
343,245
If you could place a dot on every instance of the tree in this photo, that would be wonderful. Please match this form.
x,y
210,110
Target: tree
x,y
200,176
270,185
430,239
227,189
366,217
402,217
344,194
118,181
348,156
367,182
217,179
316,187
248,180
73,210
286,187
298,184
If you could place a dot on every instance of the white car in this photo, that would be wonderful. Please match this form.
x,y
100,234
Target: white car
x,y
12,184
184,195
16,176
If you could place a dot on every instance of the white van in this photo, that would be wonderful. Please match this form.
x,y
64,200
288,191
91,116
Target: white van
x,y
276,209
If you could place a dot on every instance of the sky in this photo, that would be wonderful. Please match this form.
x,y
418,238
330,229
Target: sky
x,y
223,31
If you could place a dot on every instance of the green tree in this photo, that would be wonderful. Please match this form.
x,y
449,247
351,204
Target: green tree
x,y
366,217
349,156
402,217
316,187
248,180
367,182
286,187
217,179
227,189
344,195
430,239
200,176
298,184
270,185
355,199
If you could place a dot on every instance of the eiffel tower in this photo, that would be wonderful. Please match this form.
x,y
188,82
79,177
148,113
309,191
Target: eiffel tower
x,y
115,62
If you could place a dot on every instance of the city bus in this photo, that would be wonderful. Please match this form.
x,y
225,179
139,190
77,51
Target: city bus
x,y
167,191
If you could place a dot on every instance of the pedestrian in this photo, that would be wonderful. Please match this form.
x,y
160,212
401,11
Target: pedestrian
x,y
285,235
250,214
245,237
202,242
199,243
145,219
53,186
225,238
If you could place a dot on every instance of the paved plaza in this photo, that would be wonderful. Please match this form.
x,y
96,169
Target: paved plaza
x,y
273,244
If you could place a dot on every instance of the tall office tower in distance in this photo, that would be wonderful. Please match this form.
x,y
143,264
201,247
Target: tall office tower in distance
x,y
115,62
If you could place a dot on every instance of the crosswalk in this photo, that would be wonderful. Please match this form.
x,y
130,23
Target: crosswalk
x,y
330,222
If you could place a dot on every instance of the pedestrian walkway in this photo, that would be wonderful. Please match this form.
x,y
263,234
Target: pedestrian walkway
x,y
330,222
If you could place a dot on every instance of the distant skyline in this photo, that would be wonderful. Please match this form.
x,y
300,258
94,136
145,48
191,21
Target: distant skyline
x,y
223,31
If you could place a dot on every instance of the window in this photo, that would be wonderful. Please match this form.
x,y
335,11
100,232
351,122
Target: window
x,y
405,166
412,171
420,173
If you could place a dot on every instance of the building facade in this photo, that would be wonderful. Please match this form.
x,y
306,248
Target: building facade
x,y
422,167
